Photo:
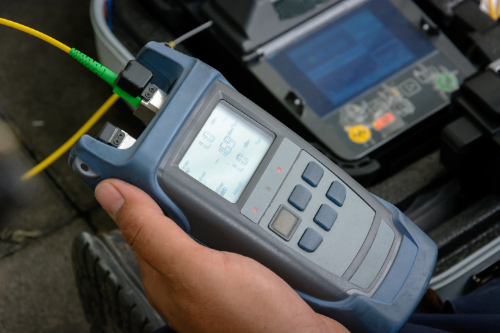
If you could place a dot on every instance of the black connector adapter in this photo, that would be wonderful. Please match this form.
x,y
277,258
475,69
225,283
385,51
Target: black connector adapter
x,y
111,135
134,78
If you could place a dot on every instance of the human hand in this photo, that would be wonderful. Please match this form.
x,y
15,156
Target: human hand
x,y
198,289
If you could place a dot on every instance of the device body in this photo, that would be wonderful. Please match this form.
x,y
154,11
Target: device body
x,y
372,266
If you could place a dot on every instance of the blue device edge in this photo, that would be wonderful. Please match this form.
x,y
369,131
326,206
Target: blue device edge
x,y
384,312
389,308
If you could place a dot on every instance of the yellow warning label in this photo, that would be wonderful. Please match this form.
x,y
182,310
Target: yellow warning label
x,y
359,133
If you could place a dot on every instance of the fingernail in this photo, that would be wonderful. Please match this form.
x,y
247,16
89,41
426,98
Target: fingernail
x,y
109,198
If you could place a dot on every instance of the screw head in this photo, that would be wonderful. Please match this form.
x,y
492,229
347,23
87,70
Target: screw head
x,y
116,141
148,94
120,135
152,89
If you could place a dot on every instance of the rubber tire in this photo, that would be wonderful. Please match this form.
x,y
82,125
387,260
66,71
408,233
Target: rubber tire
x,y
108,280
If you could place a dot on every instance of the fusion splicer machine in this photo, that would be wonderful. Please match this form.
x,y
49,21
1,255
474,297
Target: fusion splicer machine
x,y
238,180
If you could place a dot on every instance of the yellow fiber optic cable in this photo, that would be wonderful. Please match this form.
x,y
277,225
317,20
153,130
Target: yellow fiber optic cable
x,y
493,13
96,68
35,33
68,144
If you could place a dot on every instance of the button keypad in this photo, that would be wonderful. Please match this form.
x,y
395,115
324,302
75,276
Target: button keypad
x,y
326,215
342,229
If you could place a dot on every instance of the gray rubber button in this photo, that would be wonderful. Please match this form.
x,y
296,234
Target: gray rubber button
x,y
284,223
300,197
336,193
325,217
313,174
310,240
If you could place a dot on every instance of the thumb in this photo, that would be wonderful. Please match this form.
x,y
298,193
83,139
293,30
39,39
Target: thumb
x,y
160,242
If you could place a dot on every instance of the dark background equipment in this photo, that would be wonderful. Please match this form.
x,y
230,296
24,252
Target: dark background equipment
x,y
349,76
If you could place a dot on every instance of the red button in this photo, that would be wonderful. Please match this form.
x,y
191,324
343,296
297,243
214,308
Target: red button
x,y
383,121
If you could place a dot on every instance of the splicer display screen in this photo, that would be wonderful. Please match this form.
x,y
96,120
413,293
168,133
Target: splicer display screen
x,y
226,152
350,55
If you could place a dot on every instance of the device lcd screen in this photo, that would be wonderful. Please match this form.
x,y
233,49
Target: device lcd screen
x,y
226,152
350,55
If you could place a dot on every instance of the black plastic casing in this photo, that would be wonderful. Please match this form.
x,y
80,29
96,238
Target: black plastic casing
x,y
134,78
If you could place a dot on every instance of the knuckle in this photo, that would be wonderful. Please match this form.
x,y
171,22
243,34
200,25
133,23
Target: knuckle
x,y
131,225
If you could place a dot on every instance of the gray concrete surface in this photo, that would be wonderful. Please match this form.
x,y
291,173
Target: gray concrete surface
x,y
37,289
43,210
45,96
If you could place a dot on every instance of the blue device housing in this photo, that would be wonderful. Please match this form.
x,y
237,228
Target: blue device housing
x,y
189,79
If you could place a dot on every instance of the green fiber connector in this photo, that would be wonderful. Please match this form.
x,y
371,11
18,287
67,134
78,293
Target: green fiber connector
x,y
105,74
135,101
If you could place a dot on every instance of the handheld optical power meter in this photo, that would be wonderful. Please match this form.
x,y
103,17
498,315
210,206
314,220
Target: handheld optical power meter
x,y
238,180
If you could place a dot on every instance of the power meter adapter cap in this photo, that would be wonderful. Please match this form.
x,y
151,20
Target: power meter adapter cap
x,y
134,78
